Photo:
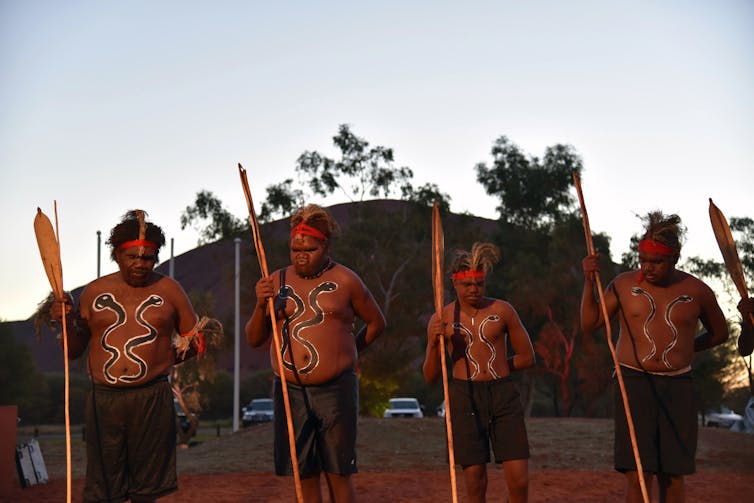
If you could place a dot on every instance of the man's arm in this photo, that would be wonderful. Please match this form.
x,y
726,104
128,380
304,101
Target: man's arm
x,y
432,362
187,317
366,308
259,326
76,329
186,320
79,334
523,351
746,338
713,319
591,311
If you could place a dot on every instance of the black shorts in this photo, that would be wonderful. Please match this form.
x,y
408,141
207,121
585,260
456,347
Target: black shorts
x,y
130,442
665,422
484,413
324,423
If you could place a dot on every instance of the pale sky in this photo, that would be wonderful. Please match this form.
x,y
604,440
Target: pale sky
x,y
109,106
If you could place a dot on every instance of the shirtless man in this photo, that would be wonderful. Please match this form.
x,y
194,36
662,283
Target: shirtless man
x,y
746,339
484,403
128,320
316,301
659,308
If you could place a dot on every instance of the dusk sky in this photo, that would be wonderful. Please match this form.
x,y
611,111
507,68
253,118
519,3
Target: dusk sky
x,y
110,106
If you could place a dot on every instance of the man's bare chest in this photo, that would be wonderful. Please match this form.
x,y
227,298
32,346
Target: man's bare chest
x,y
660,307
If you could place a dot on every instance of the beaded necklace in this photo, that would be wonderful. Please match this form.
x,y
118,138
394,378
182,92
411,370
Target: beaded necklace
x,y
326,267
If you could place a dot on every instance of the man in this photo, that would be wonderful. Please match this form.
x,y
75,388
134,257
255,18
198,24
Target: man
x,y
484,402
128,319
746,339
659,307
316,303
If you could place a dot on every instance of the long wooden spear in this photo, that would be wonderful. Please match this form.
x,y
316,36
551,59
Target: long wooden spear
x,y
275,335
728,249
49,249
608,332
438,252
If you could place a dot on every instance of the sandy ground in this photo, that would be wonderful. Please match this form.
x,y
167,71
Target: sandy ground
x,y
402,460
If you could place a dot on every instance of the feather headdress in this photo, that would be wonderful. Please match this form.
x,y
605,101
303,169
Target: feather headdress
x,y
317,217
481,257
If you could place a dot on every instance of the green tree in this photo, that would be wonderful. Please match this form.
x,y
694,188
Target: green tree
x,y
78,391
282,198
542,243
532,192
189,376
23,385
212,220
360,172
259,385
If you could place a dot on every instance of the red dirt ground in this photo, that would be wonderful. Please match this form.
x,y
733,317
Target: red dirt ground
x,y
403,461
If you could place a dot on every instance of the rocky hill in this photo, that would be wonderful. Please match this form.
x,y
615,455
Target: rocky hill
x,y
209,269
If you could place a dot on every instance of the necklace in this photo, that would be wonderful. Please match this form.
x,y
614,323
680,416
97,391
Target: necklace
x,y
325,267
473,315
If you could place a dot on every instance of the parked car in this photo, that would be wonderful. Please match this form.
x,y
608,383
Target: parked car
x,y
725,418
259,410
404,407
441,409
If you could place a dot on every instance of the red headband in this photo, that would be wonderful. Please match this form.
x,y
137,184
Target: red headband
x,y
469,273
651,246
138,242
307,230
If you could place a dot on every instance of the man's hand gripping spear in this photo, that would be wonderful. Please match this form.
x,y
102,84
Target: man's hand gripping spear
x,y
608,332
275,335
438,253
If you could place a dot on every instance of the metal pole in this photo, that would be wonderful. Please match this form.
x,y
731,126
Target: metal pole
x,y
99,246
171,266
237,353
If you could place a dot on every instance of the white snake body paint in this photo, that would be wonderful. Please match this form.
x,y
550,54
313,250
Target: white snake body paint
x,y
108,301
470,342
317,319
140,340
652,311
465,331
671,305
286,292
102,302
493,355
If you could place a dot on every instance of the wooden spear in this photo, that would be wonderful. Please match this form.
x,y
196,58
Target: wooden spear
x,y
608,332
49,249
728,249
438,249
275,335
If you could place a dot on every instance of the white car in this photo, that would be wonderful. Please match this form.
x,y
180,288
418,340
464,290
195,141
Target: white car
x,y
441,409
723,419
404,407
259,410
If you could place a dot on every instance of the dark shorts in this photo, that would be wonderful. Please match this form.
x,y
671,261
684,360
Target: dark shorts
x,y
484,413
136,454
665,422
324,424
